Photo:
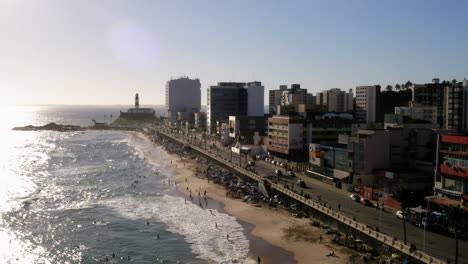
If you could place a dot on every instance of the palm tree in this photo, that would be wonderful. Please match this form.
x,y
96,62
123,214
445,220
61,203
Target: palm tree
x,y
454,81
404,197
455,215
388,88
397,87
408,84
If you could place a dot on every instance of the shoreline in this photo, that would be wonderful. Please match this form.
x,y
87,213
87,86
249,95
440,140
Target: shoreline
x,y
264,226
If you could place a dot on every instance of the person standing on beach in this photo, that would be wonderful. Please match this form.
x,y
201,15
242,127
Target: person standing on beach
x,y
259,260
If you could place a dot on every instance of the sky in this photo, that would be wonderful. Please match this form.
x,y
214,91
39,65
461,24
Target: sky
x,y
90,52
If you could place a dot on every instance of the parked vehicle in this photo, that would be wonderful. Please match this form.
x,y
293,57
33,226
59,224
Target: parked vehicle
x,y
399,215
301,183
273,162
355,197
366,202
250,163
291,174
267,159
279,173
417,216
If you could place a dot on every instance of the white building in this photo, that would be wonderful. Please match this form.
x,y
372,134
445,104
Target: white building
x,y
255,99
182,95
368,104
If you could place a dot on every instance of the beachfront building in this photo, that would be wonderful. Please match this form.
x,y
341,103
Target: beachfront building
x,y
368,106
247,127
288,137
137,113
451,175
456,106
233,99
200,120
183,99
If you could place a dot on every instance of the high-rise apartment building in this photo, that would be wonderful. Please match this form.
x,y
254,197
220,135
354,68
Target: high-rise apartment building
x,y
275,98
339,101
455,106
233,99
430,94
182,95
368,106
294,95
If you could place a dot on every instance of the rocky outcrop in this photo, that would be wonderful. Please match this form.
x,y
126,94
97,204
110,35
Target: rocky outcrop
x,y
50,126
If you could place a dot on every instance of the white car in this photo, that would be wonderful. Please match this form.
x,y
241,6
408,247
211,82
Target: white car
x,y
355,197
399,215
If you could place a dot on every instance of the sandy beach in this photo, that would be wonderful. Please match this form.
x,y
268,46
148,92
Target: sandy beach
x,y
274,225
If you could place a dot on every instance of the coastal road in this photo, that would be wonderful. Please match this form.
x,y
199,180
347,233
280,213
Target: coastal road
x,y
440,246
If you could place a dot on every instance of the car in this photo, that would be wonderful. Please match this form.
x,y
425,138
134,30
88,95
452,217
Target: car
x,y
273,162
279,173
365,202
355,197
399,215
292,174
250,163
267,159
301,183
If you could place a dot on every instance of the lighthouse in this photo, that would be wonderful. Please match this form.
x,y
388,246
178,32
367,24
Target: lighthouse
x,y
137,102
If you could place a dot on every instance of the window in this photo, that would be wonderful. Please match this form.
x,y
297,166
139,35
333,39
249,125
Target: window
x,y
452,185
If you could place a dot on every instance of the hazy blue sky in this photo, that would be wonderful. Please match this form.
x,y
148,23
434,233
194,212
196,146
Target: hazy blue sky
x,y
102,52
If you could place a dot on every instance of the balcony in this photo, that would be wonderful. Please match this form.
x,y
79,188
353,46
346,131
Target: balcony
x,y
455,171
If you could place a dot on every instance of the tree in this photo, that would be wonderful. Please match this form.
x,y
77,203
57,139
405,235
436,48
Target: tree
x,y
397,87
454,81
408,85
404,197
388,88
455,219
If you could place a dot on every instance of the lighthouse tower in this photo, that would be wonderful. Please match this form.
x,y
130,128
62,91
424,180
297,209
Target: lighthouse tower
x,y
137,102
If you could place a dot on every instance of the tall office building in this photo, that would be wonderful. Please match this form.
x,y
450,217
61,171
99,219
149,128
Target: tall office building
x,y
368,106
182,95
430,94
233,99
455,106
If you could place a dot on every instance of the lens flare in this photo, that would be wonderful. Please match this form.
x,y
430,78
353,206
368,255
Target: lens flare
x,y
133,45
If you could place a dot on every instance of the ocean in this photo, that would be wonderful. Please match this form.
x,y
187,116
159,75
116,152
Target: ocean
x,y
93,197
